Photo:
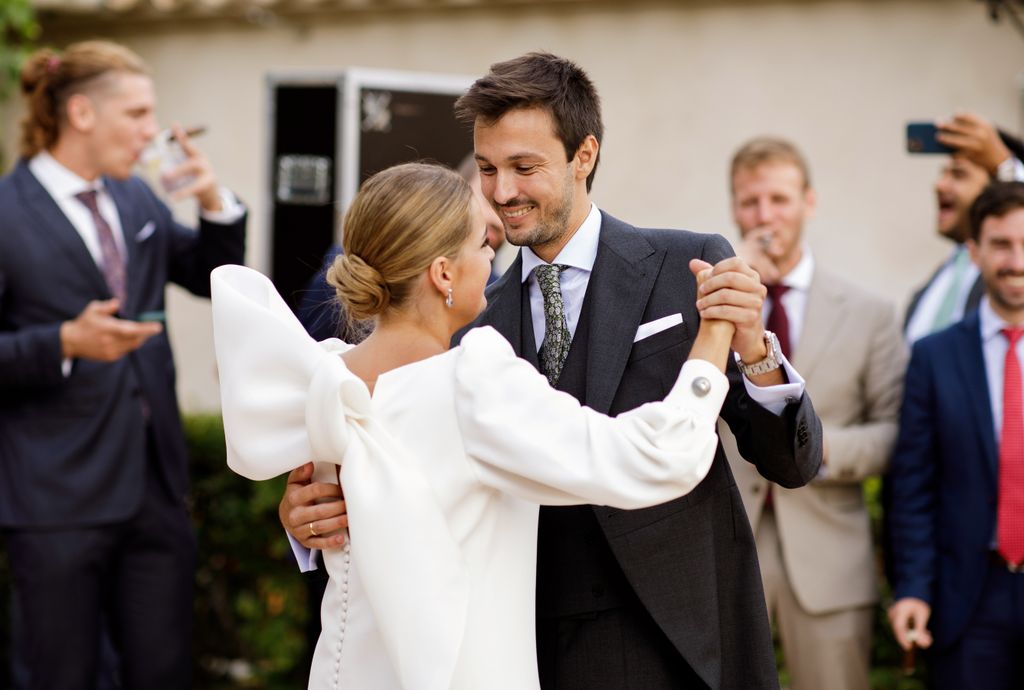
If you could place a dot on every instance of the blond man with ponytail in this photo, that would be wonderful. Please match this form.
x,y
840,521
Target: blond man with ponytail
x,y
93,473
444,454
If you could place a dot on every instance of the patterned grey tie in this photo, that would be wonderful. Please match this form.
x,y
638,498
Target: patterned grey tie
x,y
555,347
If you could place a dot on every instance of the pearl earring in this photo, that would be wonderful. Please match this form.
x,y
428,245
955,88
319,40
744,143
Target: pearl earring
x,y
448,300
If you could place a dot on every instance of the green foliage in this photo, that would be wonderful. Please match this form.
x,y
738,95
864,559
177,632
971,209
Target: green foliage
x,y
251,600
19,31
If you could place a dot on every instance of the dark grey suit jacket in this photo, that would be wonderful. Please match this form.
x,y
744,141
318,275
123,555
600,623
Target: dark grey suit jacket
x,y
691,561
73,450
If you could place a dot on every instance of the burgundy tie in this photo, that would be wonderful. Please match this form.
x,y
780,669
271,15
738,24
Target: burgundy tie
x,y
778,321
1011,458
112,265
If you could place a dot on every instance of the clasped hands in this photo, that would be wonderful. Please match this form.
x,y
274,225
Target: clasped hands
x,y
314,513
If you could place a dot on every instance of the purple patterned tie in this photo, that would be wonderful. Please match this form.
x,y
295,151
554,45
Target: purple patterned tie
x,y
112,264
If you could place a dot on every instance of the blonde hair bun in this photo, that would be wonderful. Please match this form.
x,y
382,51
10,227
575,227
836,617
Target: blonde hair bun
x,y
360,287
402,219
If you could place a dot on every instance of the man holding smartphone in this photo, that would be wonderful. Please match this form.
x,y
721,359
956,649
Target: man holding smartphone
x,y
93,472
980,154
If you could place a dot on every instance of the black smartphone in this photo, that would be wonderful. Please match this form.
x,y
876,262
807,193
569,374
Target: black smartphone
x,y
152,316
921,139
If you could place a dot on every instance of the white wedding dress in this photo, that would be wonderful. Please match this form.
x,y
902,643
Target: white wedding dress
x,y
443,468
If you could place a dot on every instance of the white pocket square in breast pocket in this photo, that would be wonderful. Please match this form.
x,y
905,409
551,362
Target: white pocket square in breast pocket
x,y
648,329
146,232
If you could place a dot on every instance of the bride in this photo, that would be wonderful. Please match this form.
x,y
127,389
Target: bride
x,y
444,454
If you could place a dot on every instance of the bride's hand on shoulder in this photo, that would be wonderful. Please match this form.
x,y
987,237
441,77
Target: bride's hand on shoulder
x,y
313,512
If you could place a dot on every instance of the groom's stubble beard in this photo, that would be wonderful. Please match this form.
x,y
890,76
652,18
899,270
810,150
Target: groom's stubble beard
x,y
553,223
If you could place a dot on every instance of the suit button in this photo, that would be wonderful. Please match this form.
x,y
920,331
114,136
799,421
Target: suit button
x,y
701,386
597,591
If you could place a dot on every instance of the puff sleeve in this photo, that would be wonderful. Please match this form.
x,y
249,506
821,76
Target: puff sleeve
x,y
287,400
541,444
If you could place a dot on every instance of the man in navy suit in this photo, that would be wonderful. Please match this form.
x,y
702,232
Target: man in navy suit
x,y
957,476
93,473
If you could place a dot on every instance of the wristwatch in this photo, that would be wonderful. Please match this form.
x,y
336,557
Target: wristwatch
x,y
771,362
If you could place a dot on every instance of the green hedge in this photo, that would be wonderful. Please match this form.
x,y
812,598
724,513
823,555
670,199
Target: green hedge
x,y
250,603
251,600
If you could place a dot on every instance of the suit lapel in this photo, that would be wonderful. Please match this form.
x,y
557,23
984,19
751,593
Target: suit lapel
x,y
916,299
505,306
825,312
55,228
620,285
130,226
970,366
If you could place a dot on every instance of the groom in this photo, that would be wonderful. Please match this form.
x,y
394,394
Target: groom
x,y
663,597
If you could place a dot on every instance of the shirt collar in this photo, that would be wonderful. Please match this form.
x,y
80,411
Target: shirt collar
x,y
800,277
958,250
56,179
991,324
579,252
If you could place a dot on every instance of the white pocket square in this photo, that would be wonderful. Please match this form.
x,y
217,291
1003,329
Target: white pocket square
x,y
146,232
648,329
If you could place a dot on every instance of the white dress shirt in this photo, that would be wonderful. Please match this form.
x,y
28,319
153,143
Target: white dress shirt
x,y
993,347
62,184
798,280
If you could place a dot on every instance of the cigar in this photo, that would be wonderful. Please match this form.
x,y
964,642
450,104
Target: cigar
x,y
190,132
909,660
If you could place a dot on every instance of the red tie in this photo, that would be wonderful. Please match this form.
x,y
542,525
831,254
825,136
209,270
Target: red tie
x,y
1011,458
778,321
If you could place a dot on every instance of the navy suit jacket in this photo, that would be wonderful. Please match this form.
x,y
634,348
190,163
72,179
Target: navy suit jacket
x,y
691,561
73,450
944,478
319,311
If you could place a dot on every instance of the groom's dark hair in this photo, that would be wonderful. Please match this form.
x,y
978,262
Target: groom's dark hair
x,y
539,80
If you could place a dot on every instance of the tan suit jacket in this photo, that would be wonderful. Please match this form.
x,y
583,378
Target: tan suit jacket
x,y
852,354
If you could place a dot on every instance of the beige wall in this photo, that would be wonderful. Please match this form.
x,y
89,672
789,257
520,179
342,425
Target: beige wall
x,y
682,84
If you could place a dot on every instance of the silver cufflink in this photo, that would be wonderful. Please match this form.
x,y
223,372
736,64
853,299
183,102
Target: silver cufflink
x,y
701,386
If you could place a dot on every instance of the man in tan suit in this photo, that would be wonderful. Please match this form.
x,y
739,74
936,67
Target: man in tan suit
x,y
814,543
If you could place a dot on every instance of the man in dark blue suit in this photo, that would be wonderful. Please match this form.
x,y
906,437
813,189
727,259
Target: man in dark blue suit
x,y
93,473
957,477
